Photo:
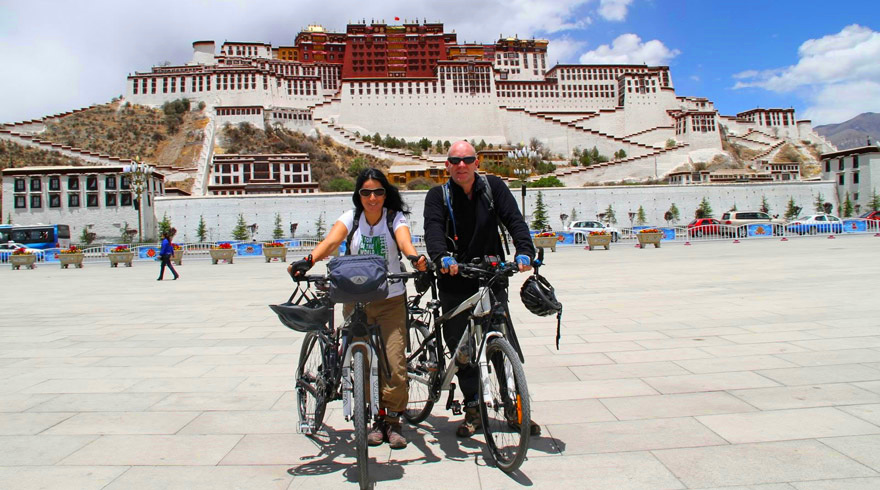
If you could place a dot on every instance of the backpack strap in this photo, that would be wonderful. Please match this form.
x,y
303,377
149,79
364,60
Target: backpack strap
x,y
490,203
355,223
490,200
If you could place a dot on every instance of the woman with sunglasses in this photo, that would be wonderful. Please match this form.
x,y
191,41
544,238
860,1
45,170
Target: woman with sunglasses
x,y
374,198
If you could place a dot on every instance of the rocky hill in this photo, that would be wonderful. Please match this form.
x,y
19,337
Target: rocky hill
x,y
853,133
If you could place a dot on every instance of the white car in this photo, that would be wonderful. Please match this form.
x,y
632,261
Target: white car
x,y
583,228
7,248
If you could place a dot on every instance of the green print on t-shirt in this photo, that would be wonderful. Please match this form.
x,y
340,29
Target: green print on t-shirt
x,y
373,245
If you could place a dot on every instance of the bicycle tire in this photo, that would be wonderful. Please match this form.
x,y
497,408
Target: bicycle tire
x,y
506,423
359,408
421,368
310,383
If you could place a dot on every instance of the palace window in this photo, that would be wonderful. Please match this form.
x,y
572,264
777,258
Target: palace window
x,y
92,200
19,185
20,202
125,199
110,199
35,184
54,200
92,183
73,200
36,201
855,177
110,183
855,161
54,183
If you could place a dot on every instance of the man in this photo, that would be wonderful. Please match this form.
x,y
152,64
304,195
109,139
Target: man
x,y
469,232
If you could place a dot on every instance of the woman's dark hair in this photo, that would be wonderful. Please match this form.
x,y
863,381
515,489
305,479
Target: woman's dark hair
x,y
169,234
393,201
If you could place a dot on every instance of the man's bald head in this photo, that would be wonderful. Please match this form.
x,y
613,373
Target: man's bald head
x,y
461,149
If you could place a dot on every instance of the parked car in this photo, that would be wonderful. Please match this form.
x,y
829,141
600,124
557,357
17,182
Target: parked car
x,y
873,218
816,223
740,219
583,228
708,227
7,248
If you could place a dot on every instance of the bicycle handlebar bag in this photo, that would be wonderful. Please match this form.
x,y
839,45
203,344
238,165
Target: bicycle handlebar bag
x,y
358,278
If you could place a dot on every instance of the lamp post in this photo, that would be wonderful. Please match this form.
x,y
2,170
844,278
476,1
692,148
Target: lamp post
x,y
523,169
139,176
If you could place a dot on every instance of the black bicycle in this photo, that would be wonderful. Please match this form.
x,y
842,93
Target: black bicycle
x,y
504,394
333,361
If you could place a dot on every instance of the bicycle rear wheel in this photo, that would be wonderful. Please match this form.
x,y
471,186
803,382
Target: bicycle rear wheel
x,y
421,369
507,417
311,385
359,368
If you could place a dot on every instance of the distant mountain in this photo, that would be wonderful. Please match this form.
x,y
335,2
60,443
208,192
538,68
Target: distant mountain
x,y
853,133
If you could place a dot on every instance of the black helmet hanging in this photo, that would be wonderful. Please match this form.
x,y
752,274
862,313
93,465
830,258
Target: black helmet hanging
x,y
538,297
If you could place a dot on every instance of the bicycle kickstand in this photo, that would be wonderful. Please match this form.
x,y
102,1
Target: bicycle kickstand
x,y
451,402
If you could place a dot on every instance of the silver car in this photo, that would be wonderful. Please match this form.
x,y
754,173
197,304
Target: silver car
x,y
583,228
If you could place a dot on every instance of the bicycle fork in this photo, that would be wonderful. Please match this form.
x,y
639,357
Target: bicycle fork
x,y
348,385
510,384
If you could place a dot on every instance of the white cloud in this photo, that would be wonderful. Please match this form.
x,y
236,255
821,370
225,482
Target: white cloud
x,y
629,49
695,78
564,50
615,10
837,74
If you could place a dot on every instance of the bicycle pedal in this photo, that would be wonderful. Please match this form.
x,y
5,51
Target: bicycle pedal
x,y
456,408
306,428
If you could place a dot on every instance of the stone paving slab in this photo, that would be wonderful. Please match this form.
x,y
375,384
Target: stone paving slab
x,y
719,365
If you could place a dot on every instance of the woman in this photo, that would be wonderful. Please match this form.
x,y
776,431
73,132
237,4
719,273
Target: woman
x,y
166,252
374,197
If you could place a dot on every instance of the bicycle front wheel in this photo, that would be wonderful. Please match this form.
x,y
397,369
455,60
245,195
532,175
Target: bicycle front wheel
x,y
507,414
359,368
311,385
421,369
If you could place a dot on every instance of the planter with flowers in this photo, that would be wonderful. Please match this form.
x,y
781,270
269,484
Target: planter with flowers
x,y
546,240
599,239
275,250
649,236
120,255
71,256
224,251
22,257
178,254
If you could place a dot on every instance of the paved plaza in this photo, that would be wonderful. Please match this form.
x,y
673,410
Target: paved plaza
x,y
718,365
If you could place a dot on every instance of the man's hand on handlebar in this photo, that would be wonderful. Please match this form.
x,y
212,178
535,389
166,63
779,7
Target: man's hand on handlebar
x,y
300,267
524,263
448,265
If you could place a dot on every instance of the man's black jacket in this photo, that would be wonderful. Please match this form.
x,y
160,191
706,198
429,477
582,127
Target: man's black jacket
x,y
476,227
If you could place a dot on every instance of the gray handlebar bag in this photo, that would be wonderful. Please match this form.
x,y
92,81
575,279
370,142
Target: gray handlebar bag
x,y
358,278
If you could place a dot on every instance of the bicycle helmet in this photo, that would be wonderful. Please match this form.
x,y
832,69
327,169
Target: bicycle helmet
x,y
538,297
303,318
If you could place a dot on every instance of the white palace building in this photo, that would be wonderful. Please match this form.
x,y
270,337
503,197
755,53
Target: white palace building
x,y
414,80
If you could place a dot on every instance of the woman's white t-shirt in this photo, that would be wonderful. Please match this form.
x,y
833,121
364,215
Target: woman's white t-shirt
x,y
377,240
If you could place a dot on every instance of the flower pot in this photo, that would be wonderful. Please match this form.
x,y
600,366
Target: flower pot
x,y
599,241
75,260
218,254
649,238
177,258
545,242
27,260
275,253
117,258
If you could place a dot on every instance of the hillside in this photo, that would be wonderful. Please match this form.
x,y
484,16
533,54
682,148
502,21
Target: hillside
x,y
853,133
333,165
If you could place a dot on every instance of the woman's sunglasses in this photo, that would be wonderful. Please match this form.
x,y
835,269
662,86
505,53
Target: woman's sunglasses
x,y
380,192
457,160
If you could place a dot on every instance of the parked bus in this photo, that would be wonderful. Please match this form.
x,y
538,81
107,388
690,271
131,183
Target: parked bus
x,y
37,236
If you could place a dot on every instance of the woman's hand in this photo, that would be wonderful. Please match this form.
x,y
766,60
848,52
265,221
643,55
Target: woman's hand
x,y
420,263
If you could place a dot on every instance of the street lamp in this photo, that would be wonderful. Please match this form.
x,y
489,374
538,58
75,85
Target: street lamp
x,y
523,169
138,175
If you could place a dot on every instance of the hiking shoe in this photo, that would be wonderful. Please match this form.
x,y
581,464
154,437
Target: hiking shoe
x,y
394,437
534,429
377,434
471,424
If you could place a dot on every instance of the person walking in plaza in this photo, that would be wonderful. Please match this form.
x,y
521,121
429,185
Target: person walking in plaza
x,y
377,225
462,219
165,254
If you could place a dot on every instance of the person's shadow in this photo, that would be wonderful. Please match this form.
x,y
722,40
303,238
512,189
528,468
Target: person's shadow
x,y
434,439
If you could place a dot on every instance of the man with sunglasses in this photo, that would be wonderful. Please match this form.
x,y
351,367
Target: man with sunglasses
x,y
462,221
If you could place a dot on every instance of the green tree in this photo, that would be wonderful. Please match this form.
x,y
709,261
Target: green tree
x,y
240,232
9,216
278,232
609,215
320,227
357,166
819,203
164,225
125,236
539,219
548,181
641,219
847,207
86,237
574,214
765,206
733,208
792,210
202,229
874,203
674,213
670,143
704,210
340,184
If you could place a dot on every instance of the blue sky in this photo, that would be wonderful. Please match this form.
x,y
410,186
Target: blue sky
x,y
823,61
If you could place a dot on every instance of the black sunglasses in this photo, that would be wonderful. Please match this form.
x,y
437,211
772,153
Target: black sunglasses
x,y
457,160
380,192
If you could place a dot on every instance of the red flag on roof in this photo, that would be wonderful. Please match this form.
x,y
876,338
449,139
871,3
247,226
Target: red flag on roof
x,y
397,18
